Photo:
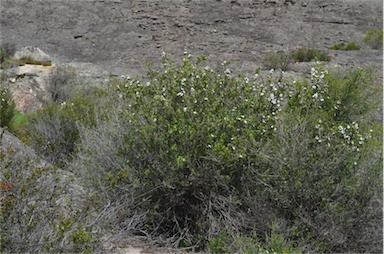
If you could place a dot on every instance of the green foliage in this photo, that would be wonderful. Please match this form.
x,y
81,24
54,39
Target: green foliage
x,y
281,60
189,152
374,38
230,242
277,61
309,54
7,105
53,131
18,123
319,158
346,46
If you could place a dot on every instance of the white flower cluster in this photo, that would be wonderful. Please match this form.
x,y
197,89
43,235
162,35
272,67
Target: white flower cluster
x,y
352,137
318,86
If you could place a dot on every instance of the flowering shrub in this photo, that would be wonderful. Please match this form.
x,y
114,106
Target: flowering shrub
x,y
7,105
189,152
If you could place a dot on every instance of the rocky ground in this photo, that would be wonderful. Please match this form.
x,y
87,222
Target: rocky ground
x,y
122,36
99,37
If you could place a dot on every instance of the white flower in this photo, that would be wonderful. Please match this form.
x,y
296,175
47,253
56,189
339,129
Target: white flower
x,y
315,95
185,109
272,98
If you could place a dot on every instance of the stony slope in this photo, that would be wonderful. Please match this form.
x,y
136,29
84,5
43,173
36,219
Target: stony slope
x,y
124,35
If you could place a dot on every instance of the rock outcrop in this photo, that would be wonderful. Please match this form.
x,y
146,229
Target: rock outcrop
x,y
28,85
34,53
125,35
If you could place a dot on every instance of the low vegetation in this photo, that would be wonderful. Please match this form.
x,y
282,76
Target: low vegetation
x,y
283,59
346,46
310,54
277,61
374,38
37,208
203,159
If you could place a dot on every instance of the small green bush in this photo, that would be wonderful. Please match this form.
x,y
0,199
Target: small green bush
x,y
346,46
7,105
53,130
309,54
18,125
277,61
374,38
